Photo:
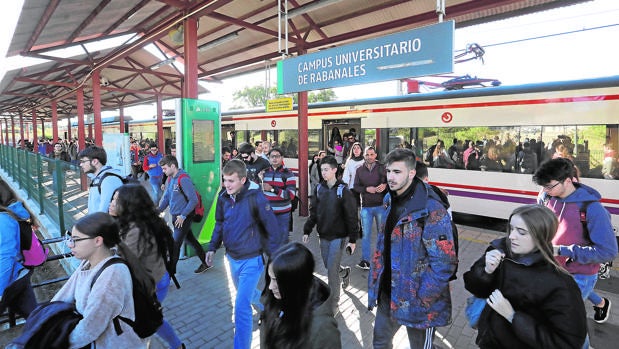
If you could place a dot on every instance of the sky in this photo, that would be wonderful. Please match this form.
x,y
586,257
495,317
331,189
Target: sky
x,y
575,42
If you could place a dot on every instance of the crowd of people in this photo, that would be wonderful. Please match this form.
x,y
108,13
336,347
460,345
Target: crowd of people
x,y
352,195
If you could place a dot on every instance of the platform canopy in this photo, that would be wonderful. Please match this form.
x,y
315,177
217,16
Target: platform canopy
x,y
233,37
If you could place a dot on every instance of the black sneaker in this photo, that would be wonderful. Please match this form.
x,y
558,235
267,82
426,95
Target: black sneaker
x,y
365,265
346,277
601,314
202,268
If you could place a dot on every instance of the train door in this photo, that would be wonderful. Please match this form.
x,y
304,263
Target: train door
x,y
332,128
228,136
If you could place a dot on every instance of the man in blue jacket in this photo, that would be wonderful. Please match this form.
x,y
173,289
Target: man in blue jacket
x,y
246,225
180,195
414,259
155,172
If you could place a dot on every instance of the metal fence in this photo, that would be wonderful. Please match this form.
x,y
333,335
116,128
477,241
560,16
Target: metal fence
x,y
53,185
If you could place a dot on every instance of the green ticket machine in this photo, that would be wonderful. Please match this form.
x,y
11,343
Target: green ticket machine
x,y
198,149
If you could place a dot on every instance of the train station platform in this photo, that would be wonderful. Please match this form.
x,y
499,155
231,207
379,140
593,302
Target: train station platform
x,y
201,310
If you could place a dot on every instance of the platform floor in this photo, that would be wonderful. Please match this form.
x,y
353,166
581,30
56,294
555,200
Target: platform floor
x,y
201,310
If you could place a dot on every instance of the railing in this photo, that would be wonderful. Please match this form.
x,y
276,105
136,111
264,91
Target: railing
x,y
9,316
51,184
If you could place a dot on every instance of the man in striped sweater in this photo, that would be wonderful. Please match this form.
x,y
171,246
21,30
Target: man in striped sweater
x,y
279,185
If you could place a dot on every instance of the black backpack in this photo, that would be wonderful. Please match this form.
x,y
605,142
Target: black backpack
x,y
125,180
148,310
48,327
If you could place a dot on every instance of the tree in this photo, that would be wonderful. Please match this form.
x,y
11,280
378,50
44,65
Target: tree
x,y
256,96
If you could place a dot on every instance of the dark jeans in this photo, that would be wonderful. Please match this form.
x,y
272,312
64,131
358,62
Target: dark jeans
x,y
184,233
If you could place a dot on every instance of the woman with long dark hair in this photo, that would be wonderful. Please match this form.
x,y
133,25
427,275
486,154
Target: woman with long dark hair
x,y
532,302
149,237
297,311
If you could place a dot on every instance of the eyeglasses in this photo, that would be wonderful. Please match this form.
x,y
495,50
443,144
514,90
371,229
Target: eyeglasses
x,y
274,156
244,155
70,240
550,187
84,160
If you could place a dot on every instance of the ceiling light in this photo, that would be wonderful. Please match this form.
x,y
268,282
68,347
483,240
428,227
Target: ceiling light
x,y
218,42
312,6
162,63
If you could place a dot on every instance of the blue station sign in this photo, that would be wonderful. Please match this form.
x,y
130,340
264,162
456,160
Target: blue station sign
x,y
417,52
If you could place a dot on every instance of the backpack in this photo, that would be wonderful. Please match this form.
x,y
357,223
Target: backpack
x,y
454,227
32,249
125,180
340,189
198,212
148,310
48,327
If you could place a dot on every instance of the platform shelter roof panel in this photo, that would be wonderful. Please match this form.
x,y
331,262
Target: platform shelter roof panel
x,y
233,37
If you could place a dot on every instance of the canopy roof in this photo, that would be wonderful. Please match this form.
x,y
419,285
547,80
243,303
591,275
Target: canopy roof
x,y
234,37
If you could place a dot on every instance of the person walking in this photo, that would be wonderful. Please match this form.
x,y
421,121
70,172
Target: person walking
x,y
246,225
334,214
297,312
154,170
149,237
279,185
585,237
371,184
531,301
180,196
415,247
91,240
104,180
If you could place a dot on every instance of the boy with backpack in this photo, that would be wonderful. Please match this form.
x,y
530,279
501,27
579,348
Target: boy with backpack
x,y
585,237
246,225
180,195
104,179
333,211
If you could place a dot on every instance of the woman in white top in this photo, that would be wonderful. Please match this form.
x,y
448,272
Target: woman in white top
x,y
91,240
354,161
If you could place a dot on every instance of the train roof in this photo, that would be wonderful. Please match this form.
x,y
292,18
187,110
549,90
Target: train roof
x,y
611,81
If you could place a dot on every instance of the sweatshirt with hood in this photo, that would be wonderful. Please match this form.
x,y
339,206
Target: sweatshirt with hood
x,y
579,252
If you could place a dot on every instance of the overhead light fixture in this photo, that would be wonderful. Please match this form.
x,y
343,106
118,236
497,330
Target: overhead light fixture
x,y
312,6
162,63
218,41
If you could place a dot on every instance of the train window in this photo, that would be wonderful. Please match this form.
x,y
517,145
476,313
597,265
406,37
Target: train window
x,y
313,142
288,143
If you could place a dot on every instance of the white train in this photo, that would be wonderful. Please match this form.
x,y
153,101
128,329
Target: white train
x,y
582,115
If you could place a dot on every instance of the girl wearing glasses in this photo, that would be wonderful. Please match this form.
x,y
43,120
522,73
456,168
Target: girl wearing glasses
x,y
532,302
149,237
91,240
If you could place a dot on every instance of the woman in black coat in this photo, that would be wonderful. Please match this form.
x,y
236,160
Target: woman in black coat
x,y
531,301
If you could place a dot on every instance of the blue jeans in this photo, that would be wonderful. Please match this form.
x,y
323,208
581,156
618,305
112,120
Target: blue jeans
x,y
283,220
245,275
368,214
385,328
155,185
166,332
586,283
331,252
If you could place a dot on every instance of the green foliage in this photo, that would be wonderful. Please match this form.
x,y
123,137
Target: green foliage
x,y
257,96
